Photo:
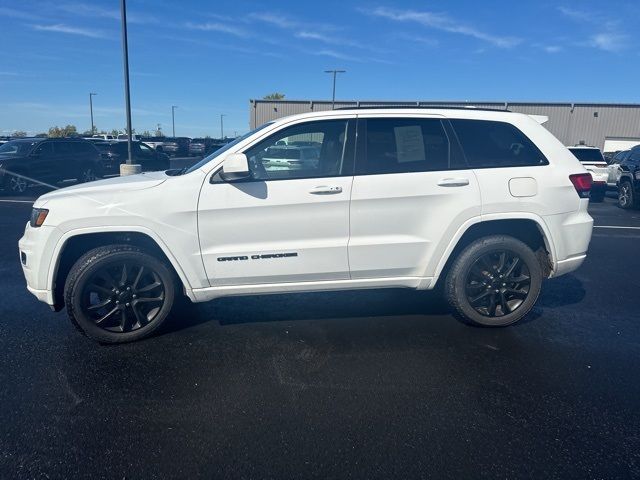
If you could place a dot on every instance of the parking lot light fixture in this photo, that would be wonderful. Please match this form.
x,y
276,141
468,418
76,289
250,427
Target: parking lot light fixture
x,y
128,168
93,128
333,97
222,115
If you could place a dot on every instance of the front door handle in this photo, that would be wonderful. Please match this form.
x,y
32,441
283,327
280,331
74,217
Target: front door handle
x,y
325,190
453,182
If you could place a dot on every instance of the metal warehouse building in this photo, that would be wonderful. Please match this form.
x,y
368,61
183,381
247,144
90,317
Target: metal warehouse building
x,y
609,126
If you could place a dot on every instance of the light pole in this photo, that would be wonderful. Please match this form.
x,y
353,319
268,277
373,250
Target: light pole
x,y
173,119
127,96
93,129
222,115
333,97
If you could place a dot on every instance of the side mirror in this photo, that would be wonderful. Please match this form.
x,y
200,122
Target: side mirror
x,y
235,167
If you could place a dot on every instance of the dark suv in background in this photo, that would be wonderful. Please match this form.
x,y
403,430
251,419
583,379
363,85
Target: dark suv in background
x,y
115,153
629,180
47,161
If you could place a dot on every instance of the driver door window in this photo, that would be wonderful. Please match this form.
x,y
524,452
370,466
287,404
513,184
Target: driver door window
x,y
308,150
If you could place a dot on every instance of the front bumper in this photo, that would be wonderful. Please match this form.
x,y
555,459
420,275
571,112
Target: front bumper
x,y
35,252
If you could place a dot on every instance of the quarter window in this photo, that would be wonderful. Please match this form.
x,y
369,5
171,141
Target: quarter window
x,y
399,145
313,149
488,144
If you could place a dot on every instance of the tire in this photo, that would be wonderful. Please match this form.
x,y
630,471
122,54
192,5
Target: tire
x,y
89,173
626,196
476,291
111,307
14,184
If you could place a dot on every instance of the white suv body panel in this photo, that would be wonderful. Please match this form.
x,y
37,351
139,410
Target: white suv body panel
x,y
391,230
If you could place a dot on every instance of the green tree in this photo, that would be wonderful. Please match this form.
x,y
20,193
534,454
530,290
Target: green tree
x,y
274,96
67,131
19,134
158,132
115,132
146,133
41,135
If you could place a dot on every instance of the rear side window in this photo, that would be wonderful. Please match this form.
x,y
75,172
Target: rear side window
x,y
635,155
402,145
63,148
489,144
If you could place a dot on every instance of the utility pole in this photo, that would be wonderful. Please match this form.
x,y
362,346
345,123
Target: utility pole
x,y
222,115
333,97
173,119
93,128
127,94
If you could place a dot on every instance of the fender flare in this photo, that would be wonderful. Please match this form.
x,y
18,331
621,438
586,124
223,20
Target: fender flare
x,y
539,221
62,241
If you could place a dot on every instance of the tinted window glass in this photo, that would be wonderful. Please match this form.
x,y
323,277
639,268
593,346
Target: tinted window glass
x,y
397,145
63,148
280,156
587,154
44,149
16,147
635,155
489,144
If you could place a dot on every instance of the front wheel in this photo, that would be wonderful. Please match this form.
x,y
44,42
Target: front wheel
x,y
15,184
494,282
119,293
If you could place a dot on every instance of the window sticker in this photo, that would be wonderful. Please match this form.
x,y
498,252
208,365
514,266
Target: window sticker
x,y
410,144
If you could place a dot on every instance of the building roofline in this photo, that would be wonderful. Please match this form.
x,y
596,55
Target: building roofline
x,y
433,103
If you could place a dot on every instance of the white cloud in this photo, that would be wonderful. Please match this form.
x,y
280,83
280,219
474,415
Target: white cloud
x,y
218,27
62,28
579,15
90,10
13,13
441,21
275,19
609,42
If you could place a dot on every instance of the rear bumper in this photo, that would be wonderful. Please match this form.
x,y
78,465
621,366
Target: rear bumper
x,y
571,234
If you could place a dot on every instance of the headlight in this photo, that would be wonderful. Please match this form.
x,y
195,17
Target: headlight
x,y
38,215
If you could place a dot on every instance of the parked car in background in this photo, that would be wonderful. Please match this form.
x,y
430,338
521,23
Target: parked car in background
x,y
177,146
115,153
593,160
197,146
33,161
157,143
125,137
629,180
290,157
614,168
101,136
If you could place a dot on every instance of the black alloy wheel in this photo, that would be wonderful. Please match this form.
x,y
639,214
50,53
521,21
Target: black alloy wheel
x,y
497,283
120,293
123,297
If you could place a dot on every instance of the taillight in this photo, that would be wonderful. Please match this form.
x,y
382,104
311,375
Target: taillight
x,y
582,183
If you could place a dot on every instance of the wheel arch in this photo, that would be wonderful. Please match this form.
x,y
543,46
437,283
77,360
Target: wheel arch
x,y
526,227
77,242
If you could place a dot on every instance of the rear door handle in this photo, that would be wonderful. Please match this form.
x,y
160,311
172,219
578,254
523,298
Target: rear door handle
x,y
453,182
325,190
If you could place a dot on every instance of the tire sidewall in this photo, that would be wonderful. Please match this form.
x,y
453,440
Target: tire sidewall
x,y
87,269
482,247
630,198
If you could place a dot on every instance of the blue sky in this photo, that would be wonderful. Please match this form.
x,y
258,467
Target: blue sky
x,y
210,57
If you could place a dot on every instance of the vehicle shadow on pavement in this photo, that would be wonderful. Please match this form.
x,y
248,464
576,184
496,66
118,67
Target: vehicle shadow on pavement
x,y
309,306
560,292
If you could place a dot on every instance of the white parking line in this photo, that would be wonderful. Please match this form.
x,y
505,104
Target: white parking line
x,y
613,226
17,201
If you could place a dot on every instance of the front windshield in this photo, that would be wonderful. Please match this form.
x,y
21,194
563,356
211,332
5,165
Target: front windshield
x,y
16,147
223,149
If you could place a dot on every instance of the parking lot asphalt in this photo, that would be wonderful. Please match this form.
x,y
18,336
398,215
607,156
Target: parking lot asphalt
x,y
365,384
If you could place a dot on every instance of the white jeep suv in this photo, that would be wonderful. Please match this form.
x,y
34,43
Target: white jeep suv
x,y
484,204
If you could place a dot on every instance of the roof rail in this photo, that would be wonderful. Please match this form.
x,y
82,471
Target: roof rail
x,y
429,107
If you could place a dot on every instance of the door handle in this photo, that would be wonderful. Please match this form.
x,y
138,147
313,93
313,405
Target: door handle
x,y
325,190
453,182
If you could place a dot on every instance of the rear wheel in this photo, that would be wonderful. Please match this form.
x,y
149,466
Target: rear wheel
x,y
494,282
119,293
88,173
626,196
